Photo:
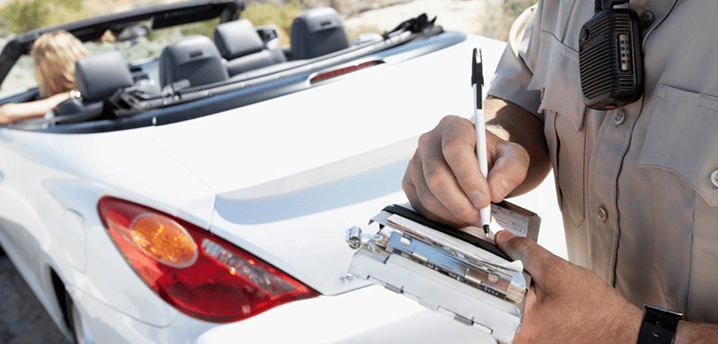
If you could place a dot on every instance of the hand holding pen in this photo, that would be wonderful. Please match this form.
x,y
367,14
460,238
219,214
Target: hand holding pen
x,y
444,181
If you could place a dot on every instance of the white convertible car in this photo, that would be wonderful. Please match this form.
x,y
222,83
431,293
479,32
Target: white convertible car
x,y
202,196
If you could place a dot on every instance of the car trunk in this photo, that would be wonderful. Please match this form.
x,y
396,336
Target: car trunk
x,y
292,174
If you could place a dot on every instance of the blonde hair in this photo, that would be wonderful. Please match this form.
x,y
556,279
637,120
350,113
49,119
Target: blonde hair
x,y
55,54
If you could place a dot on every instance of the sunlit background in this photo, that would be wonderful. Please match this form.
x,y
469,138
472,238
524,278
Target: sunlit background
x,y
491,18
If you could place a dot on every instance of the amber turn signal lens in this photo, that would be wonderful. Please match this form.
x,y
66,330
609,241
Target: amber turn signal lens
x,y
164,240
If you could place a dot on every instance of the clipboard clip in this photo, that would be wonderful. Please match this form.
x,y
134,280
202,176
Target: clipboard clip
x,y
355,237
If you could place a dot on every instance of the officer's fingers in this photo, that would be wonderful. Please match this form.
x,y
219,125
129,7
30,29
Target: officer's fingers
x,y
420,196
541,264
442,184
509,166
458,144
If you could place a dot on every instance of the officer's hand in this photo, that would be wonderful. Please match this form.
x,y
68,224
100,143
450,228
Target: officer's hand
x,y
443,180
568,303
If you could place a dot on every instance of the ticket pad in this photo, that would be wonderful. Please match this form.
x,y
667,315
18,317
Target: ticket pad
x,y
458,272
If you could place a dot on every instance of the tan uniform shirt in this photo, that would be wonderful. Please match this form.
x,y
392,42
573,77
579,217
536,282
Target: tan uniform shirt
x,y
638,186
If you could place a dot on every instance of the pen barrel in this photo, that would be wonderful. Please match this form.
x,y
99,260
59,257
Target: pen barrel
x,y
480,126
481,151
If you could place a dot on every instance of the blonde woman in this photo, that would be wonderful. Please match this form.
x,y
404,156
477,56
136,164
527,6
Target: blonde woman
x,y
55,55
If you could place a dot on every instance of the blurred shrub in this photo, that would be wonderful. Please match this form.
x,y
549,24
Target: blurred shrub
x,y
350,8
24,15
500,16
280,15
513,8
205,28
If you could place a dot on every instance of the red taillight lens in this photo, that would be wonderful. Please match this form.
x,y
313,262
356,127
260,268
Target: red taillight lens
x,y
343,71
195,271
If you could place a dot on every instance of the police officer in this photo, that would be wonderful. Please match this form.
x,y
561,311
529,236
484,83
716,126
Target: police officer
x,y
637,185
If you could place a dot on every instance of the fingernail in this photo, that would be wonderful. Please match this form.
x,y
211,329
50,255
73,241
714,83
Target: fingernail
x,y
478,199
503,188
502,237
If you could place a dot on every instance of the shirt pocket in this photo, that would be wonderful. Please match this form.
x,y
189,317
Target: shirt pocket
x,y
564,111
682,137
681,145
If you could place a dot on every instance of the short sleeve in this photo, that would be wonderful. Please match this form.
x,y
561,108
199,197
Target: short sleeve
x,y
515,69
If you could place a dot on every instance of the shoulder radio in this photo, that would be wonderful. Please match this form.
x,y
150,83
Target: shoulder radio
x,y
611,57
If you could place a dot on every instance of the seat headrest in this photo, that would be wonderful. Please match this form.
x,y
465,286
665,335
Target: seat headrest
x,y
237,38
193,58
318,32
100,75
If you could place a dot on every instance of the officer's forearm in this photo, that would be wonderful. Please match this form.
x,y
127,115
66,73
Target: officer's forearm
x,y
514,123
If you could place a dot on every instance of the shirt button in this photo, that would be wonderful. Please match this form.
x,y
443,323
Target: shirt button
x,y
602,214
619,117
714,178
647,18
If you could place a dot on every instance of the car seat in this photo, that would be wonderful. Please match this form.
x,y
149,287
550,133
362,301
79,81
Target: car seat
x,y
240,44
100,75
97,77
193,58
318,32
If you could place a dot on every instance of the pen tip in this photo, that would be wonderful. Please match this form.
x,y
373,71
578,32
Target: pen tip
x,y
486,229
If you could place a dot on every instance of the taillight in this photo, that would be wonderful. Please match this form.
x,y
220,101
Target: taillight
x,y
195,271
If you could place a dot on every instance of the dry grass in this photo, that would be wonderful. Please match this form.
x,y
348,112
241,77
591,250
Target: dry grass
x,y
280,15
501,14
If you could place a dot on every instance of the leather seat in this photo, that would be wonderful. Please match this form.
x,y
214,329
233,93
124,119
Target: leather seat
x,y
100,75
318,32
242,47
97,77
193,58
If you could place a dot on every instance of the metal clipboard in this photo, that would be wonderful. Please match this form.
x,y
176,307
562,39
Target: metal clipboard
x,y
447,270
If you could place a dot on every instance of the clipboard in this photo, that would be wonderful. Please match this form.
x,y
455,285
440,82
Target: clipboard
x,y
448,270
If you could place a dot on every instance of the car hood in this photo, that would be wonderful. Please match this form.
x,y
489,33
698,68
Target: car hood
x,y
292,174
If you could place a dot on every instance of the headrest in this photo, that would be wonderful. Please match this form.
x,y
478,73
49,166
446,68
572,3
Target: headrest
x,y
237,38
318,32
100,75
193,58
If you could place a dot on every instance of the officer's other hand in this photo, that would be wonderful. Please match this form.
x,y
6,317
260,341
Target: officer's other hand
x,y
568,303
443,180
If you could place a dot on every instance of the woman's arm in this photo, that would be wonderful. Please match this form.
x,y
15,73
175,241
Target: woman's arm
x,y
10,113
